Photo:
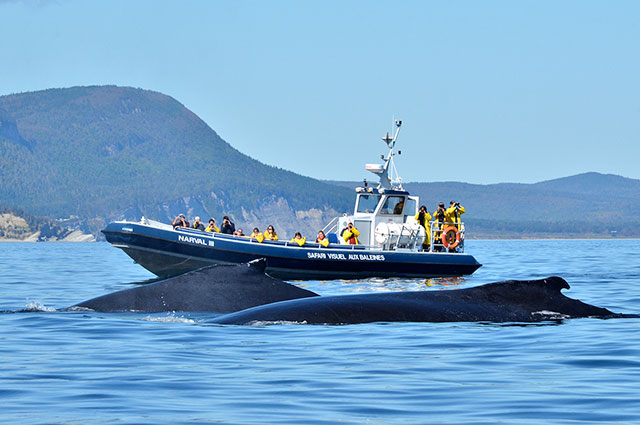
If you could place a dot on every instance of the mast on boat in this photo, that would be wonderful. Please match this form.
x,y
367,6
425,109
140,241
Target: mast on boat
x,y
387,172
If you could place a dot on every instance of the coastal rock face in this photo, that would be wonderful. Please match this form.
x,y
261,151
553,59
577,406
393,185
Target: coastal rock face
x,y
272,211
15,228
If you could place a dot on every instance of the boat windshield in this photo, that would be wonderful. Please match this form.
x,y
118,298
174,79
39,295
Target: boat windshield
x,y
393,205
367,203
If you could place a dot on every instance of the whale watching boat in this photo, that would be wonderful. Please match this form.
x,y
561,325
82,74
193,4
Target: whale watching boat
x,y
390,240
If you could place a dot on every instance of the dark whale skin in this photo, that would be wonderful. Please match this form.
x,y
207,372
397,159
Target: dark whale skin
x,y
220,288
508,301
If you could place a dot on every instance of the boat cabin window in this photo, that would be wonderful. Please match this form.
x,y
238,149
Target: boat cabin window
x,y
367,203
393,205
410,207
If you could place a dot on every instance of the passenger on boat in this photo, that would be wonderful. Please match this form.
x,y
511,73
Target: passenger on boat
x,y
198,225
453,213
227,226
257,235
322,239
180,221
423,218
399,207
212,226
271,234
239,233
438,223
298,239
350,234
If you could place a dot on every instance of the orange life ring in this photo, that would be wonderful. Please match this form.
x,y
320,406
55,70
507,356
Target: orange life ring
x,y
448,240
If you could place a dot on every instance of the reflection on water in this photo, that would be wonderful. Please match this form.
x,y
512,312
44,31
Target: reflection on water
x,y
337,287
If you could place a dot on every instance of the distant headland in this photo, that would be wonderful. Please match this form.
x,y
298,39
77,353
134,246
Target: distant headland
x,y
73,159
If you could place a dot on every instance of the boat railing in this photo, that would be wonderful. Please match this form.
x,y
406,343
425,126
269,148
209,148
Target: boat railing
x,y
332,226
408,238
453,234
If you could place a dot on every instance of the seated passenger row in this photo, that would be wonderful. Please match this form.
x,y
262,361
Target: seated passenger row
x,y
349,233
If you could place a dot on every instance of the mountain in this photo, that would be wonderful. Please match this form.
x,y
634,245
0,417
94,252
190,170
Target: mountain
x,y
83,156
105,152
584,205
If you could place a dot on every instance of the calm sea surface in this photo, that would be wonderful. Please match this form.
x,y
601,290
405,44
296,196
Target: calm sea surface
x,y
105,368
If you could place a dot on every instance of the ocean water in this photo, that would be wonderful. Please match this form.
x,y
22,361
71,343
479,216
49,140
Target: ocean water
x,y
104,368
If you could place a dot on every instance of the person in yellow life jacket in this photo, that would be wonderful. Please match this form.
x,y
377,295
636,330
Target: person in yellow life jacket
x,y
423,218
299,239
212,226
453,213
322,239
271,234
257,235
197,224
350,234
438,223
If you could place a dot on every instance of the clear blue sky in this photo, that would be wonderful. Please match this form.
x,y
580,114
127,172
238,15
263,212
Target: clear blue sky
x,y
489,91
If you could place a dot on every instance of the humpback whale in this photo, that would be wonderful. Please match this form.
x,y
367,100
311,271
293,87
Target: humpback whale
x,y
219,288
247,295
508,301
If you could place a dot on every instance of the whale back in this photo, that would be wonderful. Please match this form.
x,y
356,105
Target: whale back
x,y
508,301
218,288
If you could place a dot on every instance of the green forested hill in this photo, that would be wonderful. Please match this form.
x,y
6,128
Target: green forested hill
x,y
94,154
106,152
585,205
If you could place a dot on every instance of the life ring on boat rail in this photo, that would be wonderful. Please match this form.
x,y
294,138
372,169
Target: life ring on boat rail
x,y
450,237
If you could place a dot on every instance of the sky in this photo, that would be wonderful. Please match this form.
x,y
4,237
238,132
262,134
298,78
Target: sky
x,y
488,91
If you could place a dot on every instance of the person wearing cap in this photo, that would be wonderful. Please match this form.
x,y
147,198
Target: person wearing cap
x,y
350,234
212,226
227,226
197,224
439,217
180,221
453,213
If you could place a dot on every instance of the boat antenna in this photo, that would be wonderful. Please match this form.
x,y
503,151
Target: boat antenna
x,y
387,172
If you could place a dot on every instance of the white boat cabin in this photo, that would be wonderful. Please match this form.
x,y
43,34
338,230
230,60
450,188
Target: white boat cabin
x,y
385,215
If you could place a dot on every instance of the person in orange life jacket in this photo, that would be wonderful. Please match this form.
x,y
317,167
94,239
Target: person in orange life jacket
x,y
453,213
298,239
212,226
439,219
271,234
198,224
322,239
423,218
452,216
257,235
350,234
227,226
180,221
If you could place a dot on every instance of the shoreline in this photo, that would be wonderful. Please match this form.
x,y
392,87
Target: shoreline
x,y
74,236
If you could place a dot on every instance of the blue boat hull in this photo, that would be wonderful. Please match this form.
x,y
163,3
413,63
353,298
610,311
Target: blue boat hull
x,y
167,252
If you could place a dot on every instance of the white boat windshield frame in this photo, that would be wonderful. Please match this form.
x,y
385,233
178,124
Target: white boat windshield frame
x,y
367,203
393,205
